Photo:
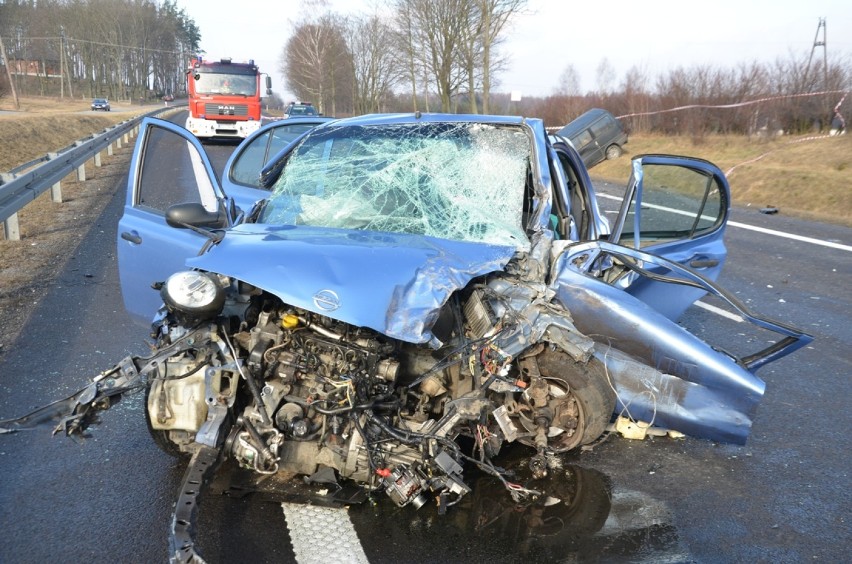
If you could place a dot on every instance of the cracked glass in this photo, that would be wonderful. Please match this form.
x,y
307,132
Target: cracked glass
x,y
457,181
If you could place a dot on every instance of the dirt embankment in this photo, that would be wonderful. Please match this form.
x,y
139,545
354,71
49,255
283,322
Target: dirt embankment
x,y
49,231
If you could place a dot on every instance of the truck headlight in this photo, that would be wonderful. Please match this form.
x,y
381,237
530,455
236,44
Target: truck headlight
x,y
195,294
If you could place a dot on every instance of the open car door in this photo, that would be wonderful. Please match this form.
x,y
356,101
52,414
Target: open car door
x,y
168,167
676,208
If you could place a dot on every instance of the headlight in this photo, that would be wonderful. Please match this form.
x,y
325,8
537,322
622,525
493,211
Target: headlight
x,y
195,294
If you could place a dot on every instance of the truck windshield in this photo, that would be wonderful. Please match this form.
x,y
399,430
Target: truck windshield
x,y
230,84
458,181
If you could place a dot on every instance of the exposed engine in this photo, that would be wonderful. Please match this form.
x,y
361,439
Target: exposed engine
x,y
295,391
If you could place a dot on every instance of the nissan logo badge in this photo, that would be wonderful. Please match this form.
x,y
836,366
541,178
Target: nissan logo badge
x,y
326,300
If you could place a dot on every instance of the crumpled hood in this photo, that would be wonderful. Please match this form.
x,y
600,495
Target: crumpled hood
x,y
393,283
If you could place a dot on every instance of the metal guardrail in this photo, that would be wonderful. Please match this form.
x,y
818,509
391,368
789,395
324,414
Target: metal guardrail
x,y
19,188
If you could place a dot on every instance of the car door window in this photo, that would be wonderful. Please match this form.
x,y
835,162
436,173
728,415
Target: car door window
x,y
248,165
166,179
253,157
582,139
602,128
676,203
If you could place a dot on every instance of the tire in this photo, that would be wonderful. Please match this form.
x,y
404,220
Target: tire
x,y
589,386
613,152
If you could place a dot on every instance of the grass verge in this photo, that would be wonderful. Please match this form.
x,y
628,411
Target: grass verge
x,y
807,176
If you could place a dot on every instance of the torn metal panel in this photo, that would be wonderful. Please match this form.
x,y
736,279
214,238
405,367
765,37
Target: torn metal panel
x,y
661,371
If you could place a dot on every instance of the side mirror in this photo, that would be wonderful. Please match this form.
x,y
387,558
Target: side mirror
x,y
195,215
196,76
269,85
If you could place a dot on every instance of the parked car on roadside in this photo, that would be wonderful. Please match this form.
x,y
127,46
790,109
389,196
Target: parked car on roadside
x,y
100,104
409,294
597,135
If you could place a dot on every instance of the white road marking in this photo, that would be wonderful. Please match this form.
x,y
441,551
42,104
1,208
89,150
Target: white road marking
x,y
811,240
320,535
718,311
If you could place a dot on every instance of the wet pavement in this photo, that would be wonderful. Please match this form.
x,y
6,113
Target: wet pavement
x,y
783,497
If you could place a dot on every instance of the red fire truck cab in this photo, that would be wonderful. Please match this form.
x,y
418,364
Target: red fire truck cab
x,y
224,98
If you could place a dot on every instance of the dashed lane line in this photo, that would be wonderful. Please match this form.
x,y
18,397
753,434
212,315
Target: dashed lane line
x,y
811,240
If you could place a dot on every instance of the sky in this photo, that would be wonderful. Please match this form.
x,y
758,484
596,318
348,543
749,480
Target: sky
x,y
653,35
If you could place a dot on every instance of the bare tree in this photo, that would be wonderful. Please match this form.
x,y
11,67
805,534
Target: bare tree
x,y
634,88
604,76
438,32
315,59
569,81
376,69
471,51
405,44
495,15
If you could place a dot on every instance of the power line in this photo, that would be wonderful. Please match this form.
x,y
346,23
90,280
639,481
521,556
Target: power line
x,y
104,44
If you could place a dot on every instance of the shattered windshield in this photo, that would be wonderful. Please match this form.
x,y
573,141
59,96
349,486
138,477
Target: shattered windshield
x,y
457,181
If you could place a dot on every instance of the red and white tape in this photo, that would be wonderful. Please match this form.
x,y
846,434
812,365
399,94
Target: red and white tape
x,y
739,104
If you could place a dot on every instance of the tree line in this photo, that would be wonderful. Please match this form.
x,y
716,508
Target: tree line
x,y
424,55
444,55
793,94
120,49
416,55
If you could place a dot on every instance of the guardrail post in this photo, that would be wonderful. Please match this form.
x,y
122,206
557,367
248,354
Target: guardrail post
x,y
109,150
98,160
56,193
13,231
118,142
81,173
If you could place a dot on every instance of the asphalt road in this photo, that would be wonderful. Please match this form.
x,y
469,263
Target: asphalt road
x,y
783,497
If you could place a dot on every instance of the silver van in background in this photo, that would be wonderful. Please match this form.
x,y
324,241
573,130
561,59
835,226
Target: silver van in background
x,y
596,135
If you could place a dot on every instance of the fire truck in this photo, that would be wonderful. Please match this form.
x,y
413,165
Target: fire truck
x,y
224,98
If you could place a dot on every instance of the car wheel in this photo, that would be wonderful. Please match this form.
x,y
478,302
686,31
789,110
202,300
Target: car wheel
x,y
582,398
613,152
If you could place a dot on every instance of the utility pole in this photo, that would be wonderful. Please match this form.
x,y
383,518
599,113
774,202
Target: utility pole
x,y
818,43
9,73
61,67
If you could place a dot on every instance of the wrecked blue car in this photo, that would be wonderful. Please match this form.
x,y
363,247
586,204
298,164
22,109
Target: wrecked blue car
x,y
393,284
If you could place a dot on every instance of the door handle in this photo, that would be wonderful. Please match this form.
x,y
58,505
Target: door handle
x,y
703,263
133,237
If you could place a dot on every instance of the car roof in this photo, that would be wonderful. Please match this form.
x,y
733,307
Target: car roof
x,y
583,121
418,117
300,120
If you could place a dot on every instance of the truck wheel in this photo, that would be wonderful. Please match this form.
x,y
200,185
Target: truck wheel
x,y
583,400
613,152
